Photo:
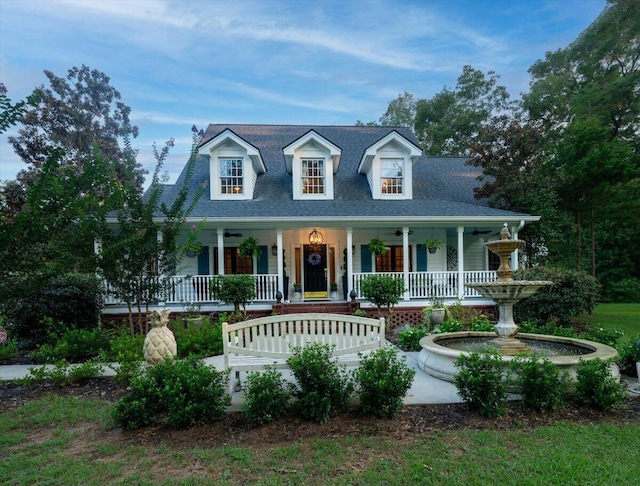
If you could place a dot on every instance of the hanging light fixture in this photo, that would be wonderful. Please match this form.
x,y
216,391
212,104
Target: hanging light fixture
x,y
274,250
315,238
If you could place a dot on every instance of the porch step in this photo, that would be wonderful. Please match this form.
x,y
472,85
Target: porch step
x,y
345,308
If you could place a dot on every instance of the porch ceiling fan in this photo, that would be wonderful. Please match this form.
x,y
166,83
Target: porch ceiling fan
x,y
227,234
475,232
398,232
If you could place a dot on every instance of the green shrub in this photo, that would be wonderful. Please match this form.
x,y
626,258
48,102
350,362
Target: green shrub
x,y
8,351
176,393
62,373
596,387
382,290
480,382
323,387
540,382
450,326
199,341
481,324
629,355
126,352
234,289
383,380
610,337
73,345
571,294
73,299
623,291
462,313
409,339
551,328
266,396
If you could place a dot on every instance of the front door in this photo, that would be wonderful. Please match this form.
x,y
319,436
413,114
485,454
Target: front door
x,y
315,271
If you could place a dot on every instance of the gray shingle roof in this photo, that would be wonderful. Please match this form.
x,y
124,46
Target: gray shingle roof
x,y
442,186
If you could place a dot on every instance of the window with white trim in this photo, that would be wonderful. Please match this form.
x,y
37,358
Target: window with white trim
x,y
392,176
313,176
231,176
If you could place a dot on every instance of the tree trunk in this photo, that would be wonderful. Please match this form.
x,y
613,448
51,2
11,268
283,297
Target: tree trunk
x,y
593,244
579,235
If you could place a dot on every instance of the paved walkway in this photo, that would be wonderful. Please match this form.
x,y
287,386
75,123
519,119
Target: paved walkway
x,y
425,388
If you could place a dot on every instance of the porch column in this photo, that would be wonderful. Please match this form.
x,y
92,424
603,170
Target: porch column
x,y
349,261
220,251
405,262
515,256
280,261
460,262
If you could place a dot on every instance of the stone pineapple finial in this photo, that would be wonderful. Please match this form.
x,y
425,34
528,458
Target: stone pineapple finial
x,y
160,343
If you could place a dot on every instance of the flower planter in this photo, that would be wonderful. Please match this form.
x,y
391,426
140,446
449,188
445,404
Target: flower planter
x,y
437,316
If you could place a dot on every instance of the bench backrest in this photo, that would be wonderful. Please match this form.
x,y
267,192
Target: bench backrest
x,y
274,336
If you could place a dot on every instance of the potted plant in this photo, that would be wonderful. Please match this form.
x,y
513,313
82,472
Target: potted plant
x,y
297,287
432,245
334,286
377,246
437,311
250,247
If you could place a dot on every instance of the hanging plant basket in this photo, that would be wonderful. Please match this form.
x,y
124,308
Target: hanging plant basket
x,y
377,246
432,245
250,247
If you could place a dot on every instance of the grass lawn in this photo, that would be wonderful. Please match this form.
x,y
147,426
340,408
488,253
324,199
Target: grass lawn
x,y
65,440
624,317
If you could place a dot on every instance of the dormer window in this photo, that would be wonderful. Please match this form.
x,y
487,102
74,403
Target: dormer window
x,y
392,172
231,176
313,176
312,161
388,165
234,166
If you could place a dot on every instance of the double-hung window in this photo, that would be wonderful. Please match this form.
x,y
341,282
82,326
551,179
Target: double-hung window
x,y
231,176
392,176
313,176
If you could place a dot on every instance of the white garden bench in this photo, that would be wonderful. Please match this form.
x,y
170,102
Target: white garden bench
x,y
253,344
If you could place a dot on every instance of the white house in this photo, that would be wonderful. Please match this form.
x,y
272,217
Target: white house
x,y
314,196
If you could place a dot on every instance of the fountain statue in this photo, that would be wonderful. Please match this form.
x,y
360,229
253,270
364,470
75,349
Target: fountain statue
x,y
506,292
440,351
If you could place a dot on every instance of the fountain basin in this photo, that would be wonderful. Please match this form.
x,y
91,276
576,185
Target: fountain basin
x,y
437,360
509,292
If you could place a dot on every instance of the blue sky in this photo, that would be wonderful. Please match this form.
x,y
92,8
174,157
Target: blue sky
x,y
331,62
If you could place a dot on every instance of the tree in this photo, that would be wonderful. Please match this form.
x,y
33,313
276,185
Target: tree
x,y
141,253
447,123
77,113
585,96
516,176
401,112
238,290
382,290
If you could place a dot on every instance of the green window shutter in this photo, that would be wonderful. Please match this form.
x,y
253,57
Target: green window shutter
x,y
421,258
365,259
263,260
203,261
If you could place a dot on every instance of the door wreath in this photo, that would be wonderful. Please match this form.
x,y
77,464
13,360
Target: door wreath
x,y
314,258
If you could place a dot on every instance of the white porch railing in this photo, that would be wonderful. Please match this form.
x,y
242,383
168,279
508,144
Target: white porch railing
x,y
422,285
426,285
196,289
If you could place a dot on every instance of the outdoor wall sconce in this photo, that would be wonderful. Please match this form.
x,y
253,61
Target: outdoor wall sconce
x,y
315,238
274,250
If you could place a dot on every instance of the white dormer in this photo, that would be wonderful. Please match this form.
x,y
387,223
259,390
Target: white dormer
x,y
388,165
312,161
234,165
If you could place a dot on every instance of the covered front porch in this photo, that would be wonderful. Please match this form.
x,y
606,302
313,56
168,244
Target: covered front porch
x,y
328,262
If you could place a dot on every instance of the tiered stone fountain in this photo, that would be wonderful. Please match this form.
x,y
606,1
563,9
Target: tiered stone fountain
x,y
440,351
